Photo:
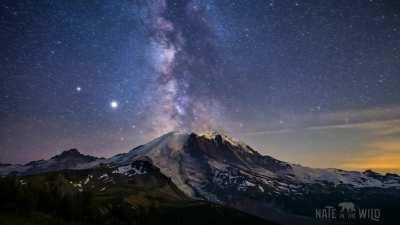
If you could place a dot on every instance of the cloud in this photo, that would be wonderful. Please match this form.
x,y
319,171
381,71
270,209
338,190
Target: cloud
x,y
381,121
386,127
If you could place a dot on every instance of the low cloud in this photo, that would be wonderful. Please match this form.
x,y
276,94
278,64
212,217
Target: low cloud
x,y
383,121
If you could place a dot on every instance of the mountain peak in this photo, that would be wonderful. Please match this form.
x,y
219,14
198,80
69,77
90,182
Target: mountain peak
x,y
73,153
176,140
221,137
212,133
370,172
68,153
209,134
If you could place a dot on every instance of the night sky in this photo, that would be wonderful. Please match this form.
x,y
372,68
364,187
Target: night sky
x,y
311,82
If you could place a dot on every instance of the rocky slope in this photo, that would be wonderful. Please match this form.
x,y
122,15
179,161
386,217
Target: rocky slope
x,y
127,195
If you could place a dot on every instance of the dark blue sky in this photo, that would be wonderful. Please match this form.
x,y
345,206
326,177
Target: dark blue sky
x,y
250,68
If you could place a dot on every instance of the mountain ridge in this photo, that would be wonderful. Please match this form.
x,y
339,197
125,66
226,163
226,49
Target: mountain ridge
x,y
210,135
207,134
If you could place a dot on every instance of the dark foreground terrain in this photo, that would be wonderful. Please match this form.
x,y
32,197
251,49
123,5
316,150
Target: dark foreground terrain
x,y
86,197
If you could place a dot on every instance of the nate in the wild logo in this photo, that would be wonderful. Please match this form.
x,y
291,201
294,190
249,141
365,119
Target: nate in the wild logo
x,y
347,211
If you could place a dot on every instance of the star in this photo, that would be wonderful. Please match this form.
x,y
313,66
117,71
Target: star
x,y
78,89
114,104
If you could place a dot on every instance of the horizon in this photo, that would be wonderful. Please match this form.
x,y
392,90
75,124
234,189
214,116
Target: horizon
x,y
59,152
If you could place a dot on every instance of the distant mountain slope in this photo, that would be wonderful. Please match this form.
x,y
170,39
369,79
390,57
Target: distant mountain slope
x,y
70,159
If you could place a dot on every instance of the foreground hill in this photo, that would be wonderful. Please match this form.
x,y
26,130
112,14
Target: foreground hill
x,y
105,195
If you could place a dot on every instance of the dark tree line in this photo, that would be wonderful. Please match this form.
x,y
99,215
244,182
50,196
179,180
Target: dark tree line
x,y
24,199
83,208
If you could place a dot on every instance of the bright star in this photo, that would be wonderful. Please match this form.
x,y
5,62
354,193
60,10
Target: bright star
x,y
78,89
114,104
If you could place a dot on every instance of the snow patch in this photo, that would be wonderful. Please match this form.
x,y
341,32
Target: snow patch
x,y
130,170
104,176
22,182
87,179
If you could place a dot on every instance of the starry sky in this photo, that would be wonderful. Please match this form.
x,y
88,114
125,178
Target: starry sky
x,y
311,82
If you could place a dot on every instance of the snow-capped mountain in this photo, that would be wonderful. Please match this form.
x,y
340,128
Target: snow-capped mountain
x,y
216,168
195,162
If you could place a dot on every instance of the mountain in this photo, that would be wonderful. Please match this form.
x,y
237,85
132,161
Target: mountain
x,y
215,168
69,159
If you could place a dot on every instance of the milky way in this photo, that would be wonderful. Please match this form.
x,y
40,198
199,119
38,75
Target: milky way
x,y
312,82
182,50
